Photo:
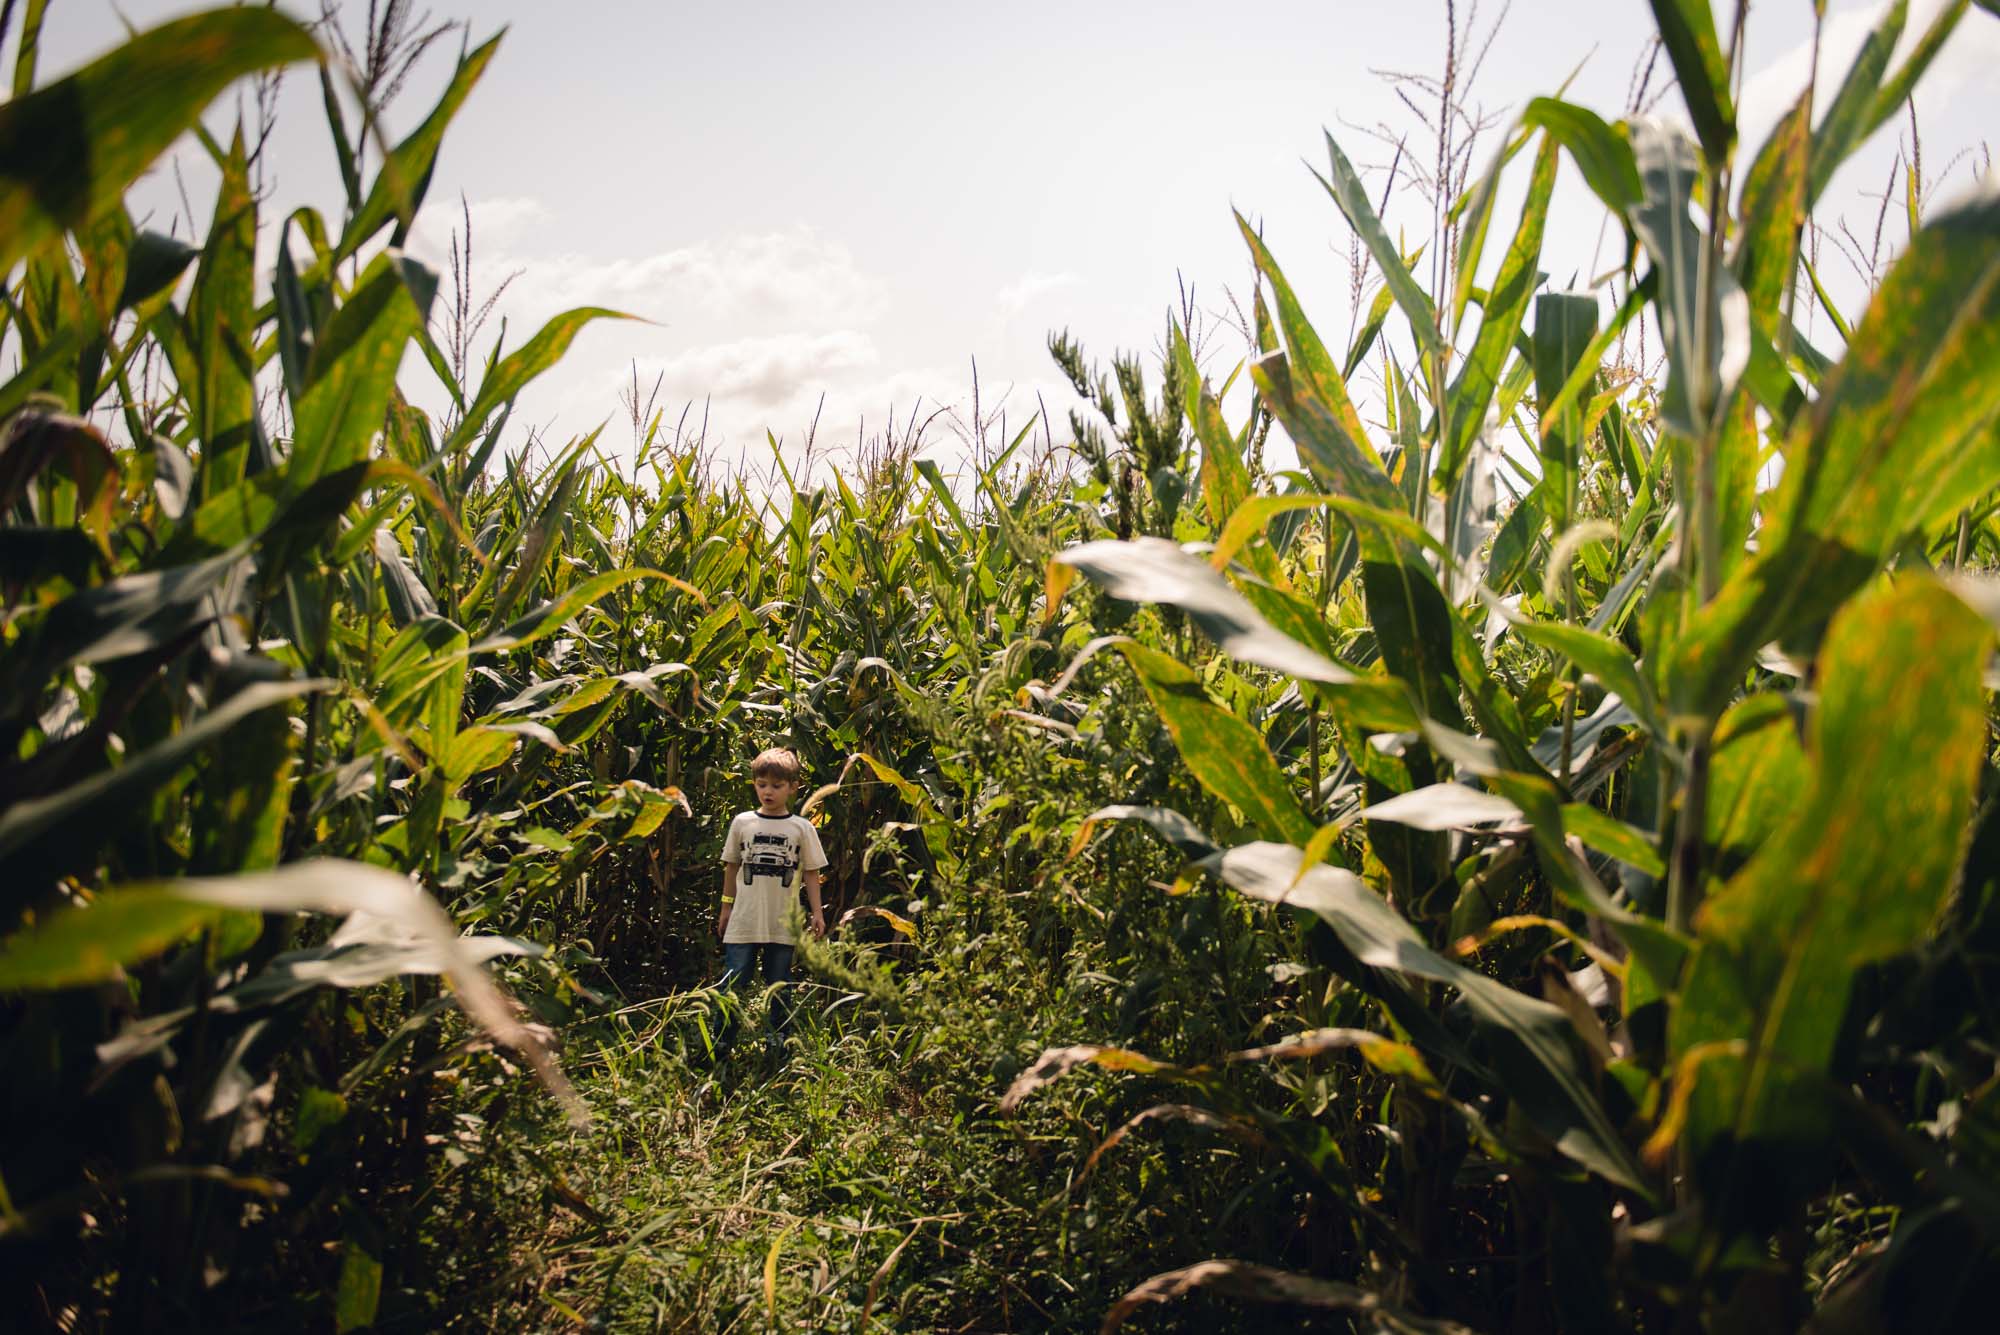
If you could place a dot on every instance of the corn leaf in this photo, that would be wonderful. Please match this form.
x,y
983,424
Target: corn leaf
x,y
1687,30
67,151
1900,438
1532,1043
1856,875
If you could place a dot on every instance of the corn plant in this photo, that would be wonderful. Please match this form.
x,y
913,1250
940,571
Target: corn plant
x,y
1653,811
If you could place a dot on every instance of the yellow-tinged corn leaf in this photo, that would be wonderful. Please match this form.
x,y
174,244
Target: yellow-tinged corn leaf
x,y
1384,1054
474,751
1757,776
897,922
89,944
1773,213
1900,438
1857,874
1054,1063
68,150
1259,1283
358,1292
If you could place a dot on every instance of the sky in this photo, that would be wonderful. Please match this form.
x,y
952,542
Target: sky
x,y
859,202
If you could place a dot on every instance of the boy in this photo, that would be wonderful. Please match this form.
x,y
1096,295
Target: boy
x,y
768,853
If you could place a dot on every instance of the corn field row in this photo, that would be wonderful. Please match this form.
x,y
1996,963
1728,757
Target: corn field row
x,y
1534,865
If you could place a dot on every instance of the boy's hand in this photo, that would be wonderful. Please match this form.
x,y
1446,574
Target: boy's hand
x,y
722,922
819,923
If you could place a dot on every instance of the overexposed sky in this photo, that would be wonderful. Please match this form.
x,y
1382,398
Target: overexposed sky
x,y
857,200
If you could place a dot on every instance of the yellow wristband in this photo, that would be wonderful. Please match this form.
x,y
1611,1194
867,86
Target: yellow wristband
x,y
727,902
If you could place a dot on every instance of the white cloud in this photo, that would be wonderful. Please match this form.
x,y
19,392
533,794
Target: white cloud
x,y
768,371
1018,295
794,277
496,222
1970,55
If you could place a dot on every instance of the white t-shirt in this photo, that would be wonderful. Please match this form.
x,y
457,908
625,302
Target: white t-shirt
x,y
771,853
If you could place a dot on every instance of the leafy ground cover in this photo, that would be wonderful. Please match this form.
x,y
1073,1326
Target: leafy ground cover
x,y
1530,867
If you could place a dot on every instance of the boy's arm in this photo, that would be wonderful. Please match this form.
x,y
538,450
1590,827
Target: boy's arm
x,y
812,897
728,897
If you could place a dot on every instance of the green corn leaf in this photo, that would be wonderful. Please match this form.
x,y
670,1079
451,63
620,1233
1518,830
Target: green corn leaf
x,y
1225,481
153,264
409,598
133,614
69,150
1565,329
476,750
1477,221
1442,806
1182,833
1603,658
1506,306
399,187
1757,776
1226,755
343,148
352,374
1687,30
1413,623
510,375
1600,152
538,541
1533,1046
1896,92
420,679
1351,195
1858,874
222,332
381,907
1329,433
1153,570
1849,117
1607,834
1699,370
30,46
550,617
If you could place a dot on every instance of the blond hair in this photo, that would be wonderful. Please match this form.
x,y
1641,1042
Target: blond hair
x,y
775,762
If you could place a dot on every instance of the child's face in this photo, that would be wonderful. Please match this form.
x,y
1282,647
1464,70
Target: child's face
x,y
773,793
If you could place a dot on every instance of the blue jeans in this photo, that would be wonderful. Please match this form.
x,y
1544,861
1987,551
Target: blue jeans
x,y
738,959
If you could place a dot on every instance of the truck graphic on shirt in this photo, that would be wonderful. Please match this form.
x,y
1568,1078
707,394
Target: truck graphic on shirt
x,y
771,855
